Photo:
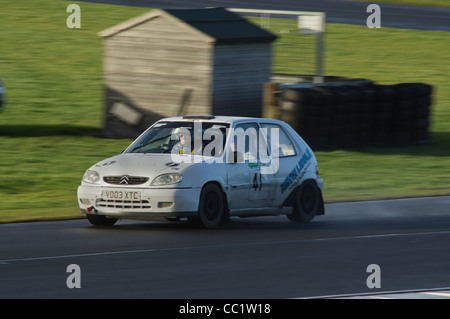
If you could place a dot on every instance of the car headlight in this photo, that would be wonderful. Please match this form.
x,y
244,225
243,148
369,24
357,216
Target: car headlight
x,y
166,179
91,177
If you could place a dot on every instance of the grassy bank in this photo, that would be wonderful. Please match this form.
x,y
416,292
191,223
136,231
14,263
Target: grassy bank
x,y
54,108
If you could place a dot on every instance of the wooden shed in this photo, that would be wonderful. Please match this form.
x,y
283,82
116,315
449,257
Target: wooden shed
x,y
177,62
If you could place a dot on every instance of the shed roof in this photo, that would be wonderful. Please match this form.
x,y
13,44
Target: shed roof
x,y
219,24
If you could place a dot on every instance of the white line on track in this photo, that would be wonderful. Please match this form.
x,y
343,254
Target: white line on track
x,y
394,294
138,251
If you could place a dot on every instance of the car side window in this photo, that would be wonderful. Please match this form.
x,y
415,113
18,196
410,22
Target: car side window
x,y
285,146
247,141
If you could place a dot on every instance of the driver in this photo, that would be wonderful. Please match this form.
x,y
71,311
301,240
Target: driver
x,y
184,146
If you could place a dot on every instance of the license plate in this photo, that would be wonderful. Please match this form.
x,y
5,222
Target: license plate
x,y
121,195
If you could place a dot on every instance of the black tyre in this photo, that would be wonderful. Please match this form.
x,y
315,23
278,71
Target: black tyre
x,y
306,203
403,91
99,220
386,93
368,95
304,96
212,207
421,89
424,101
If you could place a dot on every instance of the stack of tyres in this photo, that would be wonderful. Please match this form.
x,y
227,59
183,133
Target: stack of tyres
x,y
354,116
421,94
346,116
383,115
340,118
306,110
405,109
321,135
402,115
366,122
354,126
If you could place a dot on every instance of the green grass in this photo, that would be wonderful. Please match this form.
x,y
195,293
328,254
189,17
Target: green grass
x,y
41,173
54,104
54,113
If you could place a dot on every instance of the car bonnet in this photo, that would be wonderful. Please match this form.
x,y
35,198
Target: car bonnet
x,y
136,164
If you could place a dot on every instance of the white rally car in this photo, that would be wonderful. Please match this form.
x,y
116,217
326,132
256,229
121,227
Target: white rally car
x,y
206,169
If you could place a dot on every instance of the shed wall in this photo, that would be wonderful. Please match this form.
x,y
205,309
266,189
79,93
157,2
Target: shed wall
x,y
158,69
240,71
163,67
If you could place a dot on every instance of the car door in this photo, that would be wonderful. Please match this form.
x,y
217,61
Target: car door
x,y
238,186
250,142
284,152
257,155
248,186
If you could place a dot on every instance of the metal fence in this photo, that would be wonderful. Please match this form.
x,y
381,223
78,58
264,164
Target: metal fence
x,y
299,48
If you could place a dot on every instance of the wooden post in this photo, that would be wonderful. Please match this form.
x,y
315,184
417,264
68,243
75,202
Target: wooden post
x,y
270,105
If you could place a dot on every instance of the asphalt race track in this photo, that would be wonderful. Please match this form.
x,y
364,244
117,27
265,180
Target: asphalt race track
x,y
337,11
267,257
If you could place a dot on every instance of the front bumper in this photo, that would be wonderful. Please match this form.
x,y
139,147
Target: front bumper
x,y
153,203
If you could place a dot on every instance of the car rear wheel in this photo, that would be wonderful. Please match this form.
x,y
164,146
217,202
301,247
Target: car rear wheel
x,y
306,202
99,220
211,207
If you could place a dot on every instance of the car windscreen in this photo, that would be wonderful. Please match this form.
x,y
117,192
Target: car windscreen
x,y
182,137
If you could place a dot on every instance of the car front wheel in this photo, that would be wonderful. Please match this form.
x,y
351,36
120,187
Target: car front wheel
x,y
211,207
99,220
